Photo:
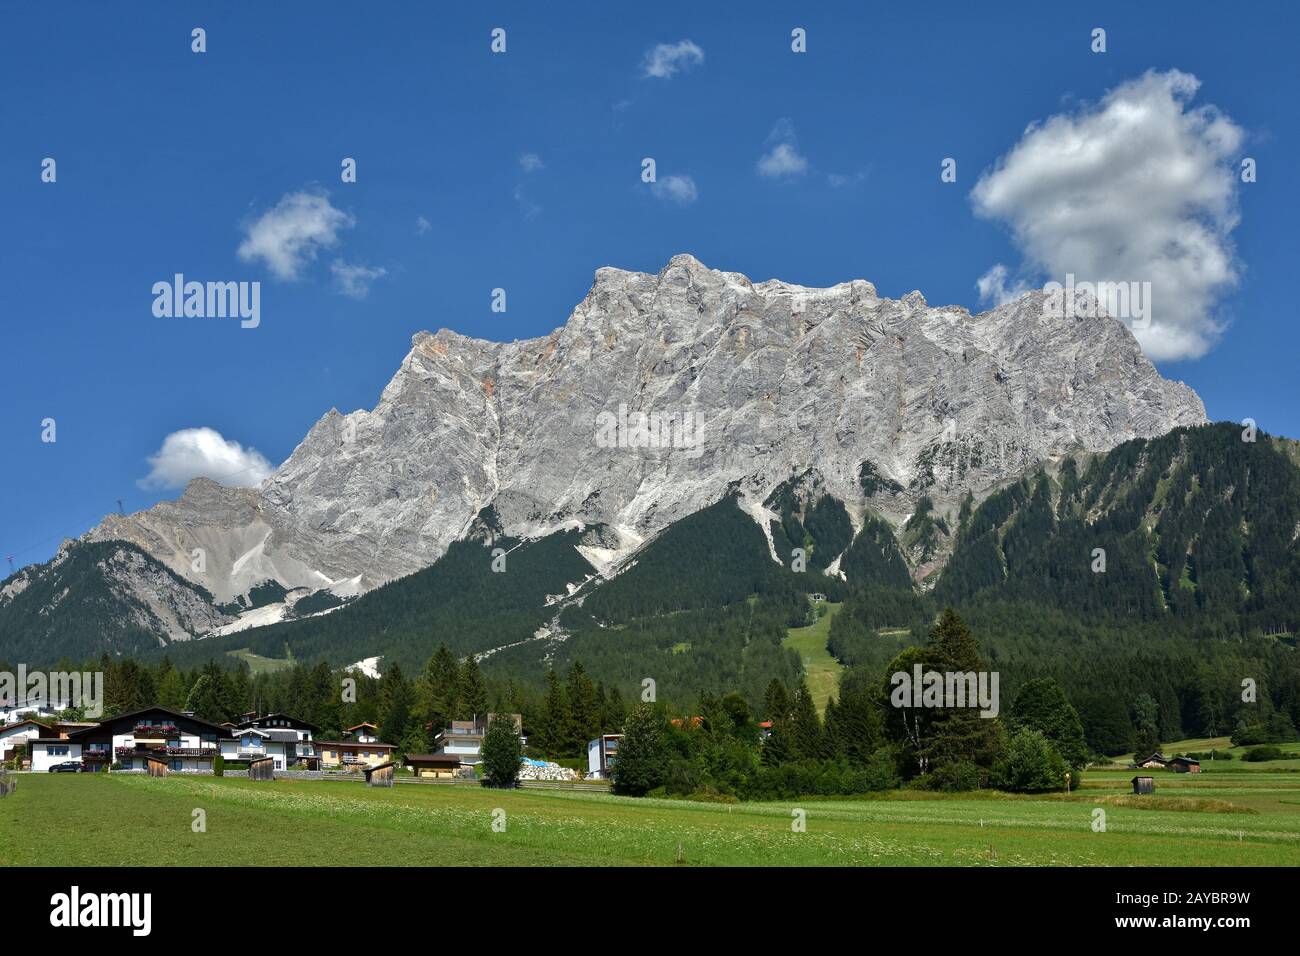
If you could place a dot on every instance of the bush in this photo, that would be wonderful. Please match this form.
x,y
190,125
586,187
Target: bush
x,y
1266,752
1031,764
955,777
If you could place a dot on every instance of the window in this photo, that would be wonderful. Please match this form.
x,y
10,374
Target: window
x,y
176,765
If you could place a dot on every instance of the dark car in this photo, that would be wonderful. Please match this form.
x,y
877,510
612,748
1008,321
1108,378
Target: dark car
x,y
68,766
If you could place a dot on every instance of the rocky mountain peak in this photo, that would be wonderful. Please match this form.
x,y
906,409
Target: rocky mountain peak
x,y
742,385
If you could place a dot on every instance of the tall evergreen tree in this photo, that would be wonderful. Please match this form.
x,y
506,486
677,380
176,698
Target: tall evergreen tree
x,y
642,762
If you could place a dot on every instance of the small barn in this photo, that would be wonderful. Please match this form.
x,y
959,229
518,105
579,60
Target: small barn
x,y
434,765
263,768
1144,784
380,775
1155,761
156,766
1185,765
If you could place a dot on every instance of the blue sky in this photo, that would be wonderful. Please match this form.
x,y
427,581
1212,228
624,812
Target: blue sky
x,y
168,159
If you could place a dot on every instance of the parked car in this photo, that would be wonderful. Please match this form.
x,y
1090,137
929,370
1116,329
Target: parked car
x,y
68,766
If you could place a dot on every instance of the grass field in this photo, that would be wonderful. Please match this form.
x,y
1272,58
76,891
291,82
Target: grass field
x,y
1205,744
257,664
822,670
119,820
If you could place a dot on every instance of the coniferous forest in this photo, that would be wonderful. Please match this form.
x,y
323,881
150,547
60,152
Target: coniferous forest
x,y
1123,598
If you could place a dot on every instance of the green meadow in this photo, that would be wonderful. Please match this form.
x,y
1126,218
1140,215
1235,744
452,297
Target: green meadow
x,y
822,670
1215,818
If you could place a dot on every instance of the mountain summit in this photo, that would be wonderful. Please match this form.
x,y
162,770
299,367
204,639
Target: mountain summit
x,y
661,394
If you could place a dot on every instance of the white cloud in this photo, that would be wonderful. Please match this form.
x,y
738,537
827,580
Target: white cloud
x,y
994,289
526,205
422,225
678,189
664,60
531,162
843,180
1137,188
202,452
354,280
289,235
783,159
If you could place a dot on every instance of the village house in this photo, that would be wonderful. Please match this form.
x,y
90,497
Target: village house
x,y
464,738
1156,761
17,734
601,753
361,749
34,708
1185,765
182,741
292,736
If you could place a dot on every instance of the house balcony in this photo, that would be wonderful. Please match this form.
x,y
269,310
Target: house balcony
x,y
154,730
200,752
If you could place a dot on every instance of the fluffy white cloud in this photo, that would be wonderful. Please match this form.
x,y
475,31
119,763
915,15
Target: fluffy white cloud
x,y
1137,188
677,189
289,235
354,280
994,288
783,158
422,225
202,452
531,162
664,60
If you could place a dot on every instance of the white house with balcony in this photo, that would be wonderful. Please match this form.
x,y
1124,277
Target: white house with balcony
x,y
464,738
249,743
601,754
281,734
185,742
17,734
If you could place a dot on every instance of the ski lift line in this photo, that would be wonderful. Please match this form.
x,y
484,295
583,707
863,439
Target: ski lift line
x,y
99,515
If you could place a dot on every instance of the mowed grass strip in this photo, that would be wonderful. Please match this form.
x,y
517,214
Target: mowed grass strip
x,y
821,670
119,820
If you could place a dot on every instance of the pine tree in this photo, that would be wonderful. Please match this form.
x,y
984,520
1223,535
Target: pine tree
x,y
394,710
642,760
501,752
584,708
472,697
1042,706
809,737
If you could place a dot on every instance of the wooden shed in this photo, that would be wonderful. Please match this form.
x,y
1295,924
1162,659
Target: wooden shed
x,y
263,768
380,775
434,765
1185,765
156,766
1144,784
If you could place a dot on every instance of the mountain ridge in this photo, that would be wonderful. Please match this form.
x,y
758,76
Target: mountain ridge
x,y
935,401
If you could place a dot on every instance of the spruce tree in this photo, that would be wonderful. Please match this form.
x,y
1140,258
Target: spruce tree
x,y
642,761
501,752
